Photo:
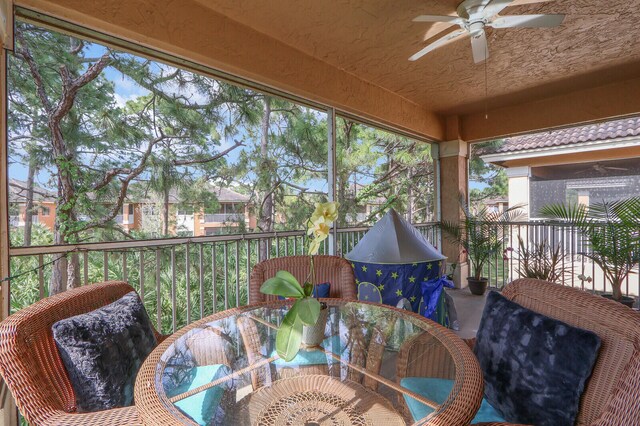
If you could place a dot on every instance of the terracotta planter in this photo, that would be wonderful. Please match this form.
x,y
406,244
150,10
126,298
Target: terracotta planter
x,y
626,301
313,335
477,287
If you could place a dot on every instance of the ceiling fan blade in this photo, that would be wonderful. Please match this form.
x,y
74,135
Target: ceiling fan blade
x,y
479,47
527,21
494,7
439,43
437,18
523,2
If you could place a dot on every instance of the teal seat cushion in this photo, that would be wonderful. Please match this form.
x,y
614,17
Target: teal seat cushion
x,y
203,406
438,390
314,357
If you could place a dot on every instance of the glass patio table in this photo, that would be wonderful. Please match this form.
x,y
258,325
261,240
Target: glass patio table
x,y
377,365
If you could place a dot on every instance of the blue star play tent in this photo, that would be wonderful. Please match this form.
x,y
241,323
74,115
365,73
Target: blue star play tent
x,y
392,261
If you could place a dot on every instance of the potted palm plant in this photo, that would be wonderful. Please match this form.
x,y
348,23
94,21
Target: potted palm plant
x,y
482,237
541,261
305,321
612,230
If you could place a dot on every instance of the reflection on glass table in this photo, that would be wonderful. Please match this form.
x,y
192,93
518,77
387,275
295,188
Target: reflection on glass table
x,y
376,365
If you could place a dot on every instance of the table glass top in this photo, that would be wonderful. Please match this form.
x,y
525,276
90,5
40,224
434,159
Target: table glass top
x,y
371,363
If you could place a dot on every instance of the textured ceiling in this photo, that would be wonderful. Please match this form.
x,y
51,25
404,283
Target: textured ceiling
x,y
598,43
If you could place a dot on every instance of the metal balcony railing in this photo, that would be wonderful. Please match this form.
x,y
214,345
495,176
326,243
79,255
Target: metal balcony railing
x,y
223,217
179,279
120,219
183,279
17,220
574,253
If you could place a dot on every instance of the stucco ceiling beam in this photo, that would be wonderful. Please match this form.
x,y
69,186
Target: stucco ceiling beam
x,y
595,104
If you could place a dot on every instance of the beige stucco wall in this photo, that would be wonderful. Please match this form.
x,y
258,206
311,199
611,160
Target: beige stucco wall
x,y
453,183
519,189
599,103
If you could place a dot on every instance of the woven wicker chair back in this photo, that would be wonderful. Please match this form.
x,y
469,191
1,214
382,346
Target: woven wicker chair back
x,y
29,360
613,387
333,269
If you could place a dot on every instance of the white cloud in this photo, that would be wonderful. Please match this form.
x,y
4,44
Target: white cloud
x,y
121,101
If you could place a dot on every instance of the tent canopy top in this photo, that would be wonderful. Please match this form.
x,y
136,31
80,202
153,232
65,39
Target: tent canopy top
x,y
393,240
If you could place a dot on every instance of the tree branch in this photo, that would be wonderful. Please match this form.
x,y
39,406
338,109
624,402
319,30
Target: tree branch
x,y
123,189
209,159
24,52
71,86
23,188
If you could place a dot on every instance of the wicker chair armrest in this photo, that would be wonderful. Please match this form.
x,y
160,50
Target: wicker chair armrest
x,y
127,416
470,342
424,356
161,337
499,424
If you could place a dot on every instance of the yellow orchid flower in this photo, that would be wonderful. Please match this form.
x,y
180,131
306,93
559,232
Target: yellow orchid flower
x,y
314,246
325,212
320,230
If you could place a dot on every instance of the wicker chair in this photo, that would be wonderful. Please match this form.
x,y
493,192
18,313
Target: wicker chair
x,y
332,269
612,395
32,368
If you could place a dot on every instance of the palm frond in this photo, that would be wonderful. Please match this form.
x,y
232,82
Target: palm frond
x,y
612,229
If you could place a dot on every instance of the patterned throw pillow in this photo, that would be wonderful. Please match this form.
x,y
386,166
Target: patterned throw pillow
x,y
102,351
535,367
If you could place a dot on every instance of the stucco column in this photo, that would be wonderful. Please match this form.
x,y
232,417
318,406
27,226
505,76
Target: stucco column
x,y
519,188
454,183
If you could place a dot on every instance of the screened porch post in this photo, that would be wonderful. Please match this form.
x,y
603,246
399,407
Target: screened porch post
x,y
454,182
331,172
9,414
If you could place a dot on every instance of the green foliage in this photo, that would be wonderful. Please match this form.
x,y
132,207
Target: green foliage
x,y
304,311
377,170
482,234
495,178
613,232
541,261
167,140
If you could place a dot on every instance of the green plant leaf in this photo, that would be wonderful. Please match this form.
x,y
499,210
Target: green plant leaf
x,y
279,287
308,289
308,310
287,276
289,335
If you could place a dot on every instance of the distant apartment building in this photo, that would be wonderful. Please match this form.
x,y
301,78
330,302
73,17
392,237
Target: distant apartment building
x,y
585,164
496,205
44,205
233,212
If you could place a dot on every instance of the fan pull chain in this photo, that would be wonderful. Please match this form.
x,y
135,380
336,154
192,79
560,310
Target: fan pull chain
x,y
486,81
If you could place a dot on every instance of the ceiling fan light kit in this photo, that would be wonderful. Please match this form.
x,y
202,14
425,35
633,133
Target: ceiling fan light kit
x,y
474,16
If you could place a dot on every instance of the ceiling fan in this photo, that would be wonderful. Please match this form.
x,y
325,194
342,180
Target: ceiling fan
x,y
475,15
598,167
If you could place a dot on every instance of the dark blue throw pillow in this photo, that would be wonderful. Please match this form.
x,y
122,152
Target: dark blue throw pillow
x,y
102,351
535,367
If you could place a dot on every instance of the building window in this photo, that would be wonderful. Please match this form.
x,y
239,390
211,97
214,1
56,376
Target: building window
x,y
185,211
45,211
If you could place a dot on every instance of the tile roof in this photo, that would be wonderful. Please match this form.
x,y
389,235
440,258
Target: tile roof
x,y
18,192
223,195
590,133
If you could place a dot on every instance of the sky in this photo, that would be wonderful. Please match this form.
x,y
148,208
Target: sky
x,y
125,89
